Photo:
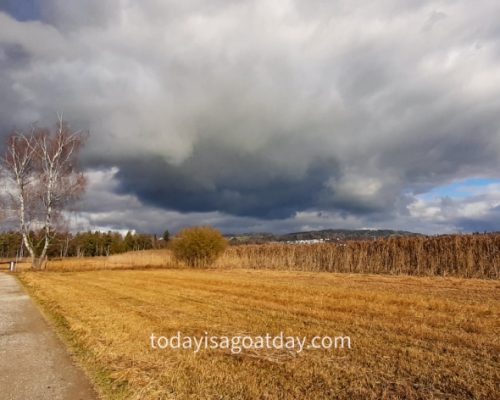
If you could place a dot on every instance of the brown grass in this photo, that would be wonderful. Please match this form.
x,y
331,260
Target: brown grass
x,y
476,256
413,337
468,256
144,259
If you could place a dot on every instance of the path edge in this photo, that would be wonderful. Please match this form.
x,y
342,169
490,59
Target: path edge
x,y
100,378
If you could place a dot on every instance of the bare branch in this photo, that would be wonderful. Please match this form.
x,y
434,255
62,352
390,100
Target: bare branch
x,y
46,177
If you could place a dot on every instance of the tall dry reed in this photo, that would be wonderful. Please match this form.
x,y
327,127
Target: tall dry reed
x,y
468,256
473,256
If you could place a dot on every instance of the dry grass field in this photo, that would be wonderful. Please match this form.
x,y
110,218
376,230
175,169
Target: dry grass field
x,y
412,337
144,259
468,256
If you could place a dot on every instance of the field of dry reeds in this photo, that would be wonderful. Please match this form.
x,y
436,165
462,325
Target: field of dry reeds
x,y
467,256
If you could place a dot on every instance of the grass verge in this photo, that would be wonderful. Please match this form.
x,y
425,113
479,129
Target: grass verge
x,y
105,385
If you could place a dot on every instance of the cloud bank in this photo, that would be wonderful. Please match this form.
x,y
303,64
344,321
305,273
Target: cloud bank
x,y
266,115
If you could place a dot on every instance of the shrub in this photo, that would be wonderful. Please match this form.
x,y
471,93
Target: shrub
x,y
198,246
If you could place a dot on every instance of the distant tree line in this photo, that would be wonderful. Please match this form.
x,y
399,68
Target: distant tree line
x,y
82,244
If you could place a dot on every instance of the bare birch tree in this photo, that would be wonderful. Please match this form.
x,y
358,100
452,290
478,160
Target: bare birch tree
x,y
18,165
44,179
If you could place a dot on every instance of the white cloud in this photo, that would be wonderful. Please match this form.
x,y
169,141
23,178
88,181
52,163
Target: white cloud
x,y
356,106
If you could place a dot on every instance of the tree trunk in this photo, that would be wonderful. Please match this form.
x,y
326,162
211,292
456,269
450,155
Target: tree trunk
x,y
37,263
24,229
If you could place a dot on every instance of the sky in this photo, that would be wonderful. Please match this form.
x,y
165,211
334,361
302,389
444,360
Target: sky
x,y
274,116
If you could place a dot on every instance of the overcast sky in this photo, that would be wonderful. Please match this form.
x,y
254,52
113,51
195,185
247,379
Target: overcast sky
x,y
274,115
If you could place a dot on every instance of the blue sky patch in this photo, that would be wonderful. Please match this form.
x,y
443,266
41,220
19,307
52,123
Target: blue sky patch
x,y
26,10
459,189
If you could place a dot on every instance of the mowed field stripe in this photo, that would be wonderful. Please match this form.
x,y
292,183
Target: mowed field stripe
x,y
418,336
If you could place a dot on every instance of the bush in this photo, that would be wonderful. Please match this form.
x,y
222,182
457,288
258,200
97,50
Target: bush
x,y
198,246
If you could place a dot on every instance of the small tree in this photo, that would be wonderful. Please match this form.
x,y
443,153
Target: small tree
x,y
129,241
198,246
44,178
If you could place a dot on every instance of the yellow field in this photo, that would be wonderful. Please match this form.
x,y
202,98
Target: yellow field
x,y
461,256
412,337
132,260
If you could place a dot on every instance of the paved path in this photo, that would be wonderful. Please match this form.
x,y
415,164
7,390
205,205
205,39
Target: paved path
x,y
34,364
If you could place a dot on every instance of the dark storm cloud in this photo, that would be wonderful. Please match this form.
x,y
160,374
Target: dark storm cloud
x,y
275,111
244,184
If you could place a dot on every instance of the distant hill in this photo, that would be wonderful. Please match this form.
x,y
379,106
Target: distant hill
x,y
326,234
